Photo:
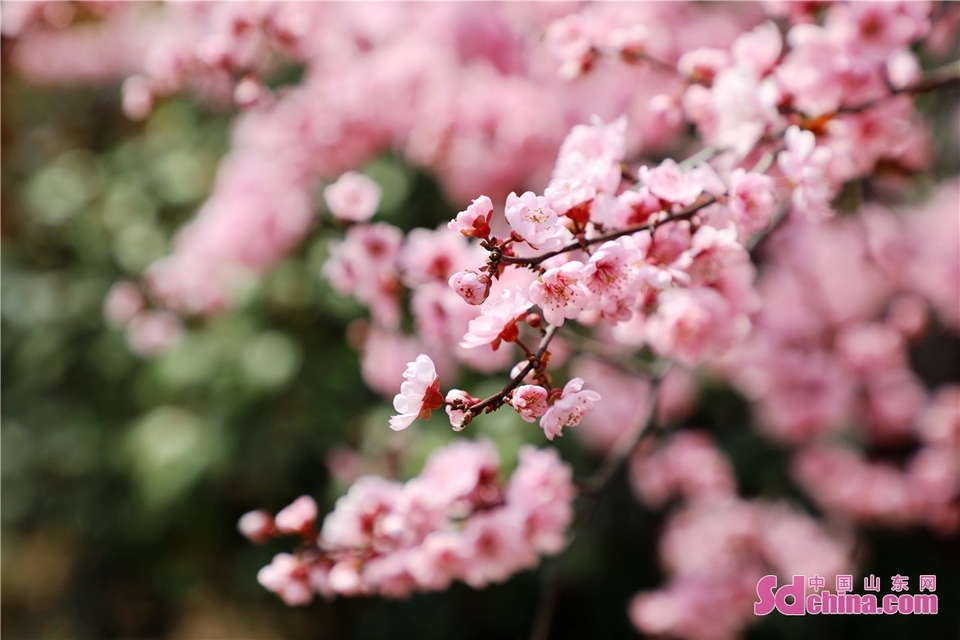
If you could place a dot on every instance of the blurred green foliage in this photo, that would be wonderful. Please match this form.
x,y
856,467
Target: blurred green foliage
x,y
122,479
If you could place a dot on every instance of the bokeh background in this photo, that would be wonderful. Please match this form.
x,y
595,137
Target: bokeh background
x,y
123,478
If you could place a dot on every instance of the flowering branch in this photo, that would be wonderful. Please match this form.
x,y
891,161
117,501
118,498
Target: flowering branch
x,y
496,400
685,214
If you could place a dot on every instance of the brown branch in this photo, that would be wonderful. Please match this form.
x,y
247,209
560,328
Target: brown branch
x,y
942,77
497,399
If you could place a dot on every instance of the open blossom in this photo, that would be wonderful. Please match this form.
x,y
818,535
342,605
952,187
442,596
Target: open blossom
x,y
560,293
542,488
691,324
671,183
286,576
433,255
364,265
593,153
419,393
473,287
564,196
298,517
570,39
497,320
531,217
610,275
805,164
569,409
495,547
474,220
751,200
530,401
703,64
353,197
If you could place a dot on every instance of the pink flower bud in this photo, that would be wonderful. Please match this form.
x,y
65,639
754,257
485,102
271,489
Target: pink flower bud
x,y
474,220
456,415
473,287
530,401
298,517
256,526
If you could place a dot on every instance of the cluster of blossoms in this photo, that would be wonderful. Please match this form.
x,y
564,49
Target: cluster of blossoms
x,y
716,546
455,521
473,98
830,356
580,246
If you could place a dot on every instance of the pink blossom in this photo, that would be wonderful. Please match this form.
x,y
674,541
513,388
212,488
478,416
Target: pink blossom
x,y
610,276
564,196
939,424
531,218
137,97
464,471
903,68
745,108
712,254
359,519
671,183
690,325
571,40
435,255
152,333
530,401
474,220
804,163
752,200
437,560
690,465
495,547
872,347
250,92
593,153
569,409
298,517
471,286
497,320
542,489
703,64
758,50
365,265
345,579
286,576
123,302
353,197
257,526
419,393
560,293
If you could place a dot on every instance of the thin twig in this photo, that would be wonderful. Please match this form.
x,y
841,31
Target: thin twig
x,y
613,235
497,399
942,77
